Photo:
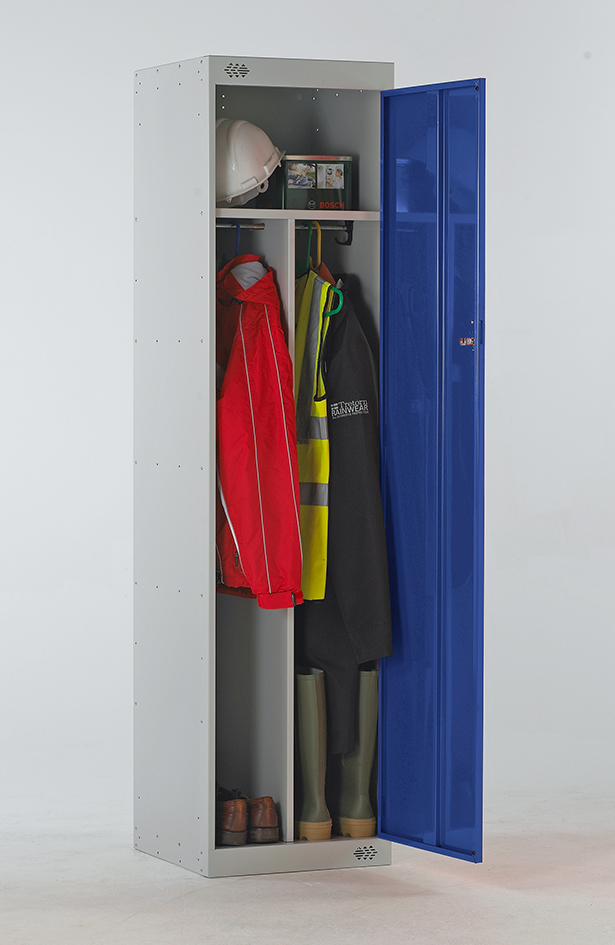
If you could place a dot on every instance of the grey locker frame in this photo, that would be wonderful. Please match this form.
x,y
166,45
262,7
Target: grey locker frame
x,y
180,710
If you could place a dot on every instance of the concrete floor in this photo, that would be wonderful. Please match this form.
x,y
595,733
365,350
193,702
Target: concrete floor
x,y
70,877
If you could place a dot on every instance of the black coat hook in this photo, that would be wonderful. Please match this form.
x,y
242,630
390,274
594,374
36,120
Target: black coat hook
x,y
349,224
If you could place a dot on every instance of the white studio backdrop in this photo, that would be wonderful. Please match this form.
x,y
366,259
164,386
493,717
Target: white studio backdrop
x,y
66,364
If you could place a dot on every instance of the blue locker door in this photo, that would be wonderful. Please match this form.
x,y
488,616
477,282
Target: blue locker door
x,y
431,689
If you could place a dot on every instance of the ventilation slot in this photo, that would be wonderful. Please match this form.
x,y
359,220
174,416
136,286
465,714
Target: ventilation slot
x,y
236,71
365,853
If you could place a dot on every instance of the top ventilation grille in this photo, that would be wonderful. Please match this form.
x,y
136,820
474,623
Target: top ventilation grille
x,y
236,71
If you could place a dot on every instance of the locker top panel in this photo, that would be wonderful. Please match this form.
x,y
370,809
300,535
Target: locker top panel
x,y
297,73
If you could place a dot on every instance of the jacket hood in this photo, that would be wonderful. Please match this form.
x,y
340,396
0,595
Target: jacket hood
x,y
246,279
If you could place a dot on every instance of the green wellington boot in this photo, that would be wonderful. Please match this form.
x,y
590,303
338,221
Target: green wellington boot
x,y
356,815
314,822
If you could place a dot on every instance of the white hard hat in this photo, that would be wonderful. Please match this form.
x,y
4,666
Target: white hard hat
x,y
245,159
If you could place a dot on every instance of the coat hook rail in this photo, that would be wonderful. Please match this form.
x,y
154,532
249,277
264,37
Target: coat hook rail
x,y
338,227
242,226
347,227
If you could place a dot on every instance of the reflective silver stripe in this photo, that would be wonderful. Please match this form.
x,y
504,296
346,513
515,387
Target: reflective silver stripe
x,y
318,428
314,493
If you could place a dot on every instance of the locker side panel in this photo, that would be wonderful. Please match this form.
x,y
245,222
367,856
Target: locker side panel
x,y
174,439
432,466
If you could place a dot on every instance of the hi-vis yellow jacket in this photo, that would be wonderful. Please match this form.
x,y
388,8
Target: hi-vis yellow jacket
x,y
312,300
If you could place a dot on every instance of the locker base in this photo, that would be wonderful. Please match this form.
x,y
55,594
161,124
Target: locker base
x,y
291,857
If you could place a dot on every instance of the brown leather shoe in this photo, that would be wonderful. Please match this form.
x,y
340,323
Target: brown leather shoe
x,y
263,820
231,821
261,824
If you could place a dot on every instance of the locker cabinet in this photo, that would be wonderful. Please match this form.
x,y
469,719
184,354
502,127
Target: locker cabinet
x,y
214,674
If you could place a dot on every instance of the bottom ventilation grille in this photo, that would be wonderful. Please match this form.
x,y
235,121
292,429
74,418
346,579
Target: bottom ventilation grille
x,y
365,853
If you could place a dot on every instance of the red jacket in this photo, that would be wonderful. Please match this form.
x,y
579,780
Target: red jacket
x,y
258,539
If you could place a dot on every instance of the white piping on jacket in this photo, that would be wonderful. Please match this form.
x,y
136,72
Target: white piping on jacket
x,y
258,480
230,523
290,464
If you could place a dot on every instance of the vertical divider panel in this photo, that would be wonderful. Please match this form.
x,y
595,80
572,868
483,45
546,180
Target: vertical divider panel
x,y
289,305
